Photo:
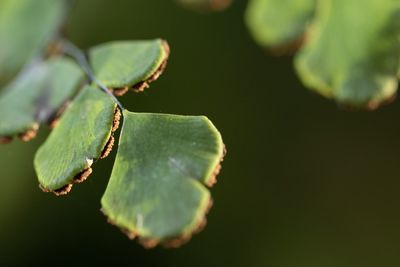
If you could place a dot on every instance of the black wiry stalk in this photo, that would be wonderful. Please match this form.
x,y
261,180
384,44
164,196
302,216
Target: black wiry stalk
x,y
73,51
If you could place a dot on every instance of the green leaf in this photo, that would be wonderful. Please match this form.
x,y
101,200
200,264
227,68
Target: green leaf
x,y
155,190
352,52
84,134
277,23
26,26
121,65
205,5
36,95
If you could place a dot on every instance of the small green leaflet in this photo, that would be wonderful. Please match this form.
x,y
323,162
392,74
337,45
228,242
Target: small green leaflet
x,y
156,189
83,135
36,95
123,65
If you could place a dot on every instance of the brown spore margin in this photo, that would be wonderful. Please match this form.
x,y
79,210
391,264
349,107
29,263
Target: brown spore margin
x,y
173,242
83,175
218,5
141,86
290,47
213,179
207,5
30,133
177,241
26,136
5,139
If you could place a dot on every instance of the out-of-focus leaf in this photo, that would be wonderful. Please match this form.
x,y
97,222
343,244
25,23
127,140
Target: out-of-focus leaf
x,y
36,95
155,190
83,135
352,52
279,23
25,28
205,5
121,65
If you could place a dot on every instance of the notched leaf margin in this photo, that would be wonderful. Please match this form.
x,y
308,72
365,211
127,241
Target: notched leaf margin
x,y
173,242
177,241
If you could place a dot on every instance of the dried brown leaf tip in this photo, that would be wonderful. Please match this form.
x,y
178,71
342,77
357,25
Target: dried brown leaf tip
x,y
63,191
119,91
206,5
79,178
117,118
110,143
289,48
369,106
173,242
108,148
59,192
179,241
26,136
5,139
30,133
141,86
218,5
130,234
213,178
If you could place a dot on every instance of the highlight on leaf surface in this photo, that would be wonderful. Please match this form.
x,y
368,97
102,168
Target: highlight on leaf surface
x,y
36,95
156,189
84,132
206,5
353,51
279,23
26,26
124,65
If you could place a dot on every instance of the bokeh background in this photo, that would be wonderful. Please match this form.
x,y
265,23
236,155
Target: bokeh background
x,y
304,183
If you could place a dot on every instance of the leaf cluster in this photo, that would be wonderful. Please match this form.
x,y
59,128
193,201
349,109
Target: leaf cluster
x,y
158,187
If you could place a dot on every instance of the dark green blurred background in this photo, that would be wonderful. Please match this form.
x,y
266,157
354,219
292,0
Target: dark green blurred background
x,y
304,183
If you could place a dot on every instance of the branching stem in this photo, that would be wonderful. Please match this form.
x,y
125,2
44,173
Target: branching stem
x,y
73,51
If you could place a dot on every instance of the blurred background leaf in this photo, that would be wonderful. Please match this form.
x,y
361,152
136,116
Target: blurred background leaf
x,y
205,5
304,183
25,29
36,96
347,51
352,51
279,23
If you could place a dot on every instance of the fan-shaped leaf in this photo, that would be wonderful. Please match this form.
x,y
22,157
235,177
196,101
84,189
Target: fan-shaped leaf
x,y
36,95
121,65
205,5
25,28
353,51
83,134
155,189
279,23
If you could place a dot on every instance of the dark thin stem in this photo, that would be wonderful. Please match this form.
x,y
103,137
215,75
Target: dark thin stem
x,y
73,51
